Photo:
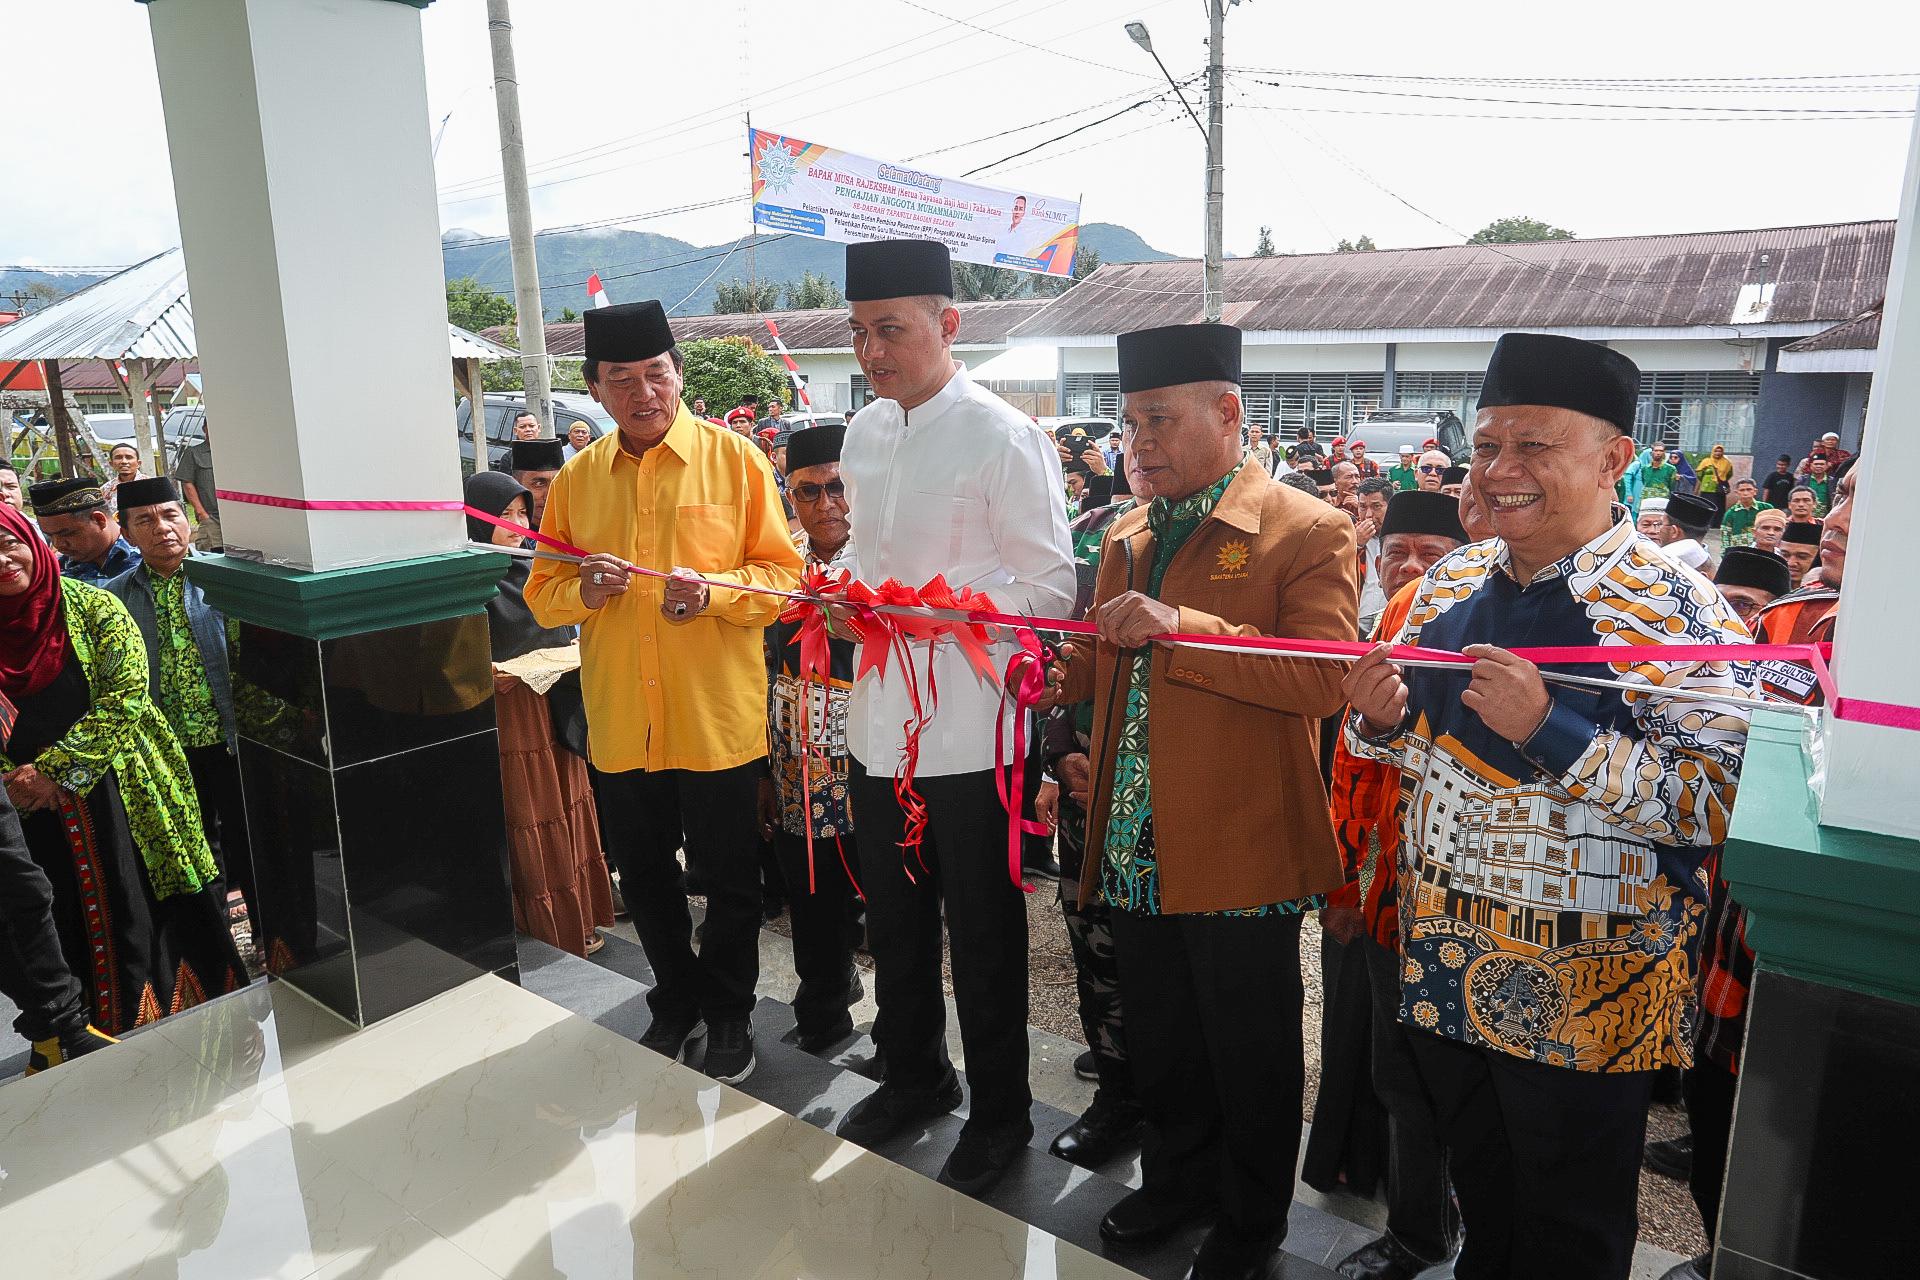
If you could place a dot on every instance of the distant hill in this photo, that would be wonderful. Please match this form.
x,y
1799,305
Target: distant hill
x,y
636,264
639,264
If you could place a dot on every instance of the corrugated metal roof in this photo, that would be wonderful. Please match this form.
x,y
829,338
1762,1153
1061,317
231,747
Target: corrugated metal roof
x,y
825,329
142,312
1862,333
145,313
1811,273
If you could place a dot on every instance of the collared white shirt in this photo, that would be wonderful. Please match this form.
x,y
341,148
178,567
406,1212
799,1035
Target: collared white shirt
x,y
967,486
1373,599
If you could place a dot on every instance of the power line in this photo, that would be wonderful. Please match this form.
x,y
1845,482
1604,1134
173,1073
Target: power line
x,y
1487,115
1853,81
1081,128
1026,44
1706,111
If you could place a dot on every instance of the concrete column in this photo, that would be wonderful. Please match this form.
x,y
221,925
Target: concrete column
x,y
1869,768
303,169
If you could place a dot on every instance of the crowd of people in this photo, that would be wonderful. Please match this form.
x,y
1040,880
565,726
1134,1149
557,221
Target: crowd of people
x,y
1517,880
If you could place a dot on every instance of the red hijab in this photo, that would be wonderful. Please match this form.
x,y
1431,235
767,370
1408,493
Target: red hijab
x,y
33,630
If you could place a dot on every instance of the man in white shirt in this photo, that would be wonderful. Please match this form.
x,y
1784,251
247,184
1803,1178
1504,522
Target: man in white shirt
x,y
1689,516
1372,496
943,478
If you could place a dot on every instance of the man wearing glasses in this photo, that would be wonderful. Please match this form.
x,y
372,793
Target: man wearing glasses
x,y
808,759
1432,470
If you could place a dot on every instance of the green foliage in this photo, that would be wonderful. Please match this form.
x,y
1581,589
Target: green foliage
x,y
736,296
1086,261
474,307
721,370
973,282
569,316
812,292
1265,248
1364,244
1518,230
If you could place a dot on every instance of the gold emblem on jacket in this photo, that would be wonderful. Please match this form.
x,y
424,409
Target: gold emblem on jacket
x,y
1232,561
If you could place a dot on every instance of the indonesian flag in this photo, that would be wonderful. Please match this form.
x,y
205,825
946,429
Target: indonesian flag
x,y
597,292
793,370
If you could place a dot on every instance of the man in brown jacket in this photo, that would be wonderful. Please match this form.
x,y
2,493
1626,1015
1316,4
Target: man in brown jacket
x,y
1208,877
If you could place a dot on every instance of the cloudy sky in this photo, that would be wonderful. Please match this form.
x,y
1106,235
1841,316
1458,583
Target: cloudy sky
x,y
637,107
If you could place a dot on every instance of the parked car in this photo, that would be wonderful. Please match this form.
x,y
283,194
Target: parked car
x,y
180,428
1096,428
1385,430
502,408
801,421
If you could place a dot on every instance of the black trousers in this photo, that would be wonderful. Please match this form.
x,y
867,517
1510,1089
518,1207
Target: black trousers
x,y
645,816
1546,1161
965,855
223,815
33,970
826,926
1709,1091
1420,1209
1213,1031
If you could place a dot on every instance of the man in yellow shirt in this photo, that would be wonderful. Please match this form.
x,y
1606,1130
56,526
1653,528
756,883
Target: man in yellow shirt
x,y
671,670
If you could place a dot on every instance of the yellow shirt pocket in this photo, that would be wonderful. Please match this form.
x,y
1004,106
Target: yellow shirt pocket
x,y
706,537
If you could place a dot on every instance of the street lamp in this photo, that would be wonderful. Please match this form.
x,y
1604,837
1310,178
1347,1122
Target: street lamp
x,y
1210,134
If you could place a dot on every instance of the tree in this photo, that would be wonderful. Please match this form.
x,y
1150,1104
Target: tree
x,y
973,282
1364,244
1518,230
737,296
1085,262
569,316
812,292
1265,248
474,307
721,370
39,294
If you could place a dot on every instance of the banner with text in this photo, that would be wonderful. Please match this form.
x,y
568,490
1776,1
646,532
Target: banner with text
x,y
806,189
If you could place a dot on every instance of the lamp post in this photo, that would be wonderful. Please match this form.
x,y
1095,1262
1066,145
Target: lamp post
x,y
1211,134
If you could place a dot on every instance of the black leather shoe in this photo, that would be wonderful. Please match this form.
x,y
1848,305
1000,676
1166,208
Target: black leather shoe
x,y
817,1040
1226,1254
887,1111
1700,1268
1144,1218
1671,1157
981,1157
1084,1067
1101,1133
1383,1259
669,1037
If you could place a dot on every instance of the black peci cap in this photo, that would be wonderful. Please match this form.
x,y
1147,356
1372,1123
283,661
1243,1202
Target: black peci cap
x,y
538,455
879,269
1752,567
1690,511
628,332
815,446
1177,354
60,497
1419,511
1804,532
145,492
1562,373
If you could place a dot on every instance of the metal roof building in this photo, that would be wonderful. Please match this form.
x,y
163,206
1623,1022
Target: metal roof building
x,y
1330,337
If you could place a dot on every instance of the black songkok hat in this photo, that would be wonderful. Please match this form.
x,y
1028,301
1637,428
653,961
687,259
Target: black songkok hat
x,y
145,492
1421,512
1804,532
1690,511
1453,475
628,332
880,269
1177,354
1562,373
539,455
1752,567
815,445
61,497
1321,476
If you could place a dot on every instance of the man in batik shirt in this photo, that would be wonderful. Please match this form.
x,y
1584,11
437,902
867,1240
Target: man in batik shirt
x,y
1555,845
807,755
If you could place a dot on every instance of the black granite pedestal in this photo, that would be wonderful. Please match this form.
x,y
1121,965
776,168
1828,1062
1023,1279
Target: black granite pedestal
x,y
370,764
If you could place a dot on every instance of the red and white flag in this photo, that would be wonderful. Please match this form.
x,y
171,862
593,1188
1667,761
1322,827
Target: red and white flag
x,y
597,292
793,370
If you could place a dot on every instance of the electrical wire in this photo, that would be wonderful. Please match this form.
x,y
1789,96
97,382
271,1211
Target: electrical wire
x,y
1610,106
1026,44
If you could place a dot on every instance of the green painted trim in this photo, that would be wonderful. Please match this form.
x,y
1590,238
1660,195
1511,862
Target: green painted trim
x,y
344,602
1824,904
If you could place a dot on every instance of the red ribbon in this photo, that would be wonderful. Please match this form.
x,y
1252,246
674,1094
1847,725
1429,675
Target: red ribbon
x,y
1026,680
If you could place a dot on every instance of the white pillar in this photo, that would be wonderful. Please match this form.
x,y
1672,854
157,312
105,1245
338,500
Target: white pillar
x,y
303,171
1872,772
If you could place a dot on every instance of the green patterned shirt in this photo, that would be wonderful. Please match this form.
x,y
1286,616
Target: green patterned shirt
x,y
1130,870
186,698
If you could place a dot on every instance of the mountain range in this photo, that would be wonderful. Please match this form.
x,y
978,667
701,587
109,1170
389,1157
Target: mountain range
x,y
638,264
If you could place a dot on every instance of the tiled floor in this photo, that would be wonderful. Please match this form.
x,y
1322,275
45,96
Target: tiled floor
x,y
486,1133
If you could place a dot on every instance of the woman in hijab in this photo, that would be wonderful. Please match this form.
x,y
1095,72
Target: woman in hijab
x,y
560,886
105,800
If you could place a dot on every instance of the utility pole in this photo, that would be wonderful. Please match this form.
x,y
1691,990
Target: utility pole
x,y
526,267
1215,289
